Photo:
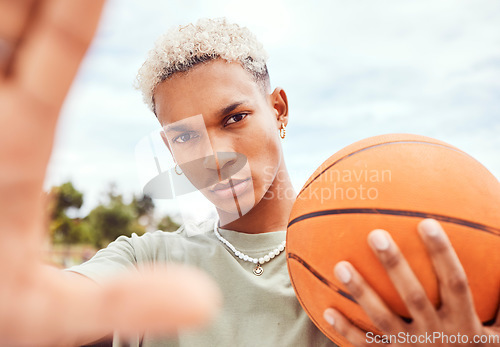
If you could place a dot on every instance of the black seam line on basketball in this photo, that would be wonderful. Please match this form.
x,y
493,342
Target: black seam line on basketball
x,y
490,322
417,214
374,146
328,283
320,277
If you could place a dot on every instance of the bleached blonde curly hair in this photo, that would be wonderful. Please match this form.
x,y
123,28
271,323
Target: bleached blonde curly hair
x,y
183,47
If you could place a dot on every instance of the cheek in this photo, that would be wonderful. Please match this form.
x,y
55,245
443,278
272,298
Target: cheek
x,y
266,159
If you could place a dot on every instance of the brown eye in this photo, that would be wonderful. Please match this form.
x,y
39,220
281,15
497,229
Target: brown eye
x,y
185,137
236,118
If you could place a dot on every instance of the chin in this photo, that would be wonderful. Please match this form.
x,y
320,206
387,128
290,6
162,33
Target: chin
x,y
229,206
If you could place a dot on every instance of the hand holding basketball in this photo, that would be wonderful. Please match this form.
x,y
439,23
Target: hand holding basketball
x,y
438,282
455,319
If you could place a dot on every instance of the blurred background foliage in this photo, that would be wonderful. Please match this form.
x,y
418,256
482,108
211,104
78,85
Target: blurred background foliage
x,y
73,236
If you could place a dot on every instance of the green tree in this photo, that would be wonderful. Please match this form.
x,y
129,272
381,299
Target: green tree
x,y
167,224
143,205
106,222
113,218
65,197
64,229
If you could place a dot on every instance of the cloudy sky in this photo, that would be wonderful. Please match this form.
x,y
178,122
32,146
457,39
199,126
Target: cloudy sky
x,y
351,69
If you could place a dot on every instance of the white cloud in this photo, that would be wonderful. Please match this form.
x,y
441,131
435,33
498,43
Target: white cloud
x,y
351,70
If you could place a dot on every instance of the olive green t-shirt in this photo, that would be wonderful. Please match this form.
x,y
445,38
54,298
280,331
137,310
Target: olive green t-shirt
x,y
257,310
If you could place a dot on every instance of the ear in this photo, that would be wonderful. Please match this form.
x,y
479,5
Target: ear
x,y
279,103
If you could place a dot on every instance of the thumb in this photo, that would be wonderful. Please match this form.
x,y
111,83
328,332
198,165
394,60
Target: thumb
x,y
53,309
161,300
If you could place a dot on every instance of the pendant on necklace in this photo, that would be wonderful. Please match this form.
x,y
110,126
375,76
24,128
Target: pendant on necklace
x,y
258,270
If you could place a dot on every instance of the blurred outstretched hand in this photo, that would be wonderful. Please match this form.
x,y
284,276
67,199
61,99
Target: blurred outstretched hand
x,y
41,46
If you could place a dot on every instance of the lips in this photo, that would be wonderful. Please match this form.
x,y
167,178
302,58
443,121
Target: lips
x,y
227,184
230,189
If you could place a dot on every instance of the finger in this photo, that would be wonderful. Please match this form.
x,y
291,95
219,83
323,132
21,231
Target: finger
x,y
184,298
497,320
161,302
402,277
45,66
14,16
453,286
52,49
381,316
352,333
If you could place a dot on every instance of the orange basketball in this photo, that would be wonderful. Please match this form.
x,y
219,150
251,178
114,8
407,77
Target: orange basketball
x,y
392,182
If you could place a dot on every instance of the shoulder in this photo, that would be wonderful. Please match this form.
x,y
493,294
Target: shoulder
x,y
195,230
185,245
162,245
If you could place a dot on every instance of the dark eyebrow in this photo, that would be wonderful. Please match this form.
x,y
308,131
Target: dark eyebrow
x,y
178,127
222,112
230,108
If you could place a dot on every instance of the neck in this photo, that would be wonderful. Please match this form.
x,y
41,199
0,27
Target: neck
x,y
271,213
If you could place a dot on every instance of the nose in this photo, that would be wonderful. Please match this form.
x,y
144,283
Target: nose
x,y
223,154
220,160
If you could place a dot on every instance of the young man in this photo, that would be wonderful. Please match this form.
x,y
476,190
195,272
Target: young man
x,y
208,86
222,125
